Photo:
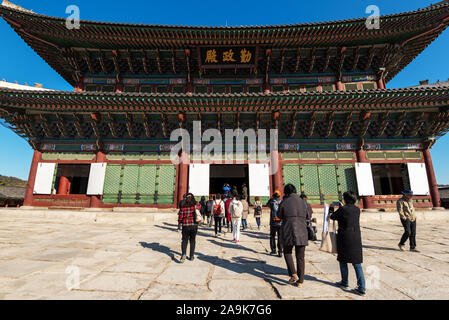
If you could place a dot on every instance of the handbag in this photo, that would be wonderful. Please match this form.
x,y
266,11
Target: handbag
x,y
311,233
198,217
329,240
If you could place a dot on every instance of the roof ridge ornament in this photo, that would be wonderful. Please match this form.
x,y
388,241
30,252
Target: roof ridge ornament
x,y
9,4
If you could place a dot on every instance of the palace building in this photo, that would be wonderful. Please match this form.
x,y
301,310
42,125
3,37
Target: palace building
x,y
321,85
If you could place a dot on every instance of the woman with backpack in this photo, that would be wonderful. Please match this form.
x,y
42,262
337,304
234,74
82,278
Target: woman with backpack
x,y
219,211
189,226
257,210
275,223
236,211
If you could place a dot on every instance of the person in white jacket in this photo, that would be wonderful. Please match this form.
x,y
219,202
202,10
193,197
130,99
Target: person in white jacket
x,y
236,211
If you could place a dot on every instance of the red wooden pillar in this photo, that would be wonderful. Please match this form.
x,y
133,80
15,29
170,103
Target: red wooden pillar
x,y
366,201
28,201
95,201
340,86
277,178
433,186
64,185
183,176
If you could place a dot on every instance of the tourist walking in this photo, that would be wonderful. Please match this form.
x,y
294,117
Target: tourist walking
x,y
309,207
349,241
226,190
408,219
245,213
189,226
219,211
275,223
244,191
293,213
236,211
234,190
210,210
257,211
181,203
203,207
228,214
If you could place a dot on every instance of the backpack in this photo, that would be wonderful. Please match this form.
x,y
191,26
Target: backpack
x,y
275,207
237,209
258,210
217,208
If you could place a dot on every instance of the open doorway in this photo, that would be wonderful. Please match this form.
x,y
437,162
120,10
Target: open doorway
x,y
390,179
77,175
232,174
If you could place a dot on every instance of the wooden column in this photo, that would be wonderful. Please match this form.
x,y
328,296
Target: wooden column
x,y
31,179
365,201
380,84
277,178
340,86
183,176
64,185
433,186
96,201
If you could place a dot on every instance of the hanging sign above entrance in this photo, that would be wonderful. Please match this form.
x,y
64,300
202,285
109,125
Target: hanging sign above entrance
x,y
228,56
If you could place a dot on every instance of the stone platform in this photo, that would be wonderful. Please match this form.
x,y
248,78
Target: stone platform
x,y
119,258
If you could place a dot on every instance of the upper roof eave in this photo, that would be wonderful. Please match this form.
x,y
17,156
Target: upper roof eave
x,y
442,4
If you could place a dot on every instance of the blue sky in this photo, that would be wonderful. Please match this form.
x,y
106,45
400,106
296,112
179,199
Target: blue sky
x,y
19,62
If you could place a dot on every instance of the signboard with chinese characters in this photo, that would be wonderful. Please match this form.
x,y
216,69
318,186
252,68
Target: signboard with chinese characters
x,y
228,56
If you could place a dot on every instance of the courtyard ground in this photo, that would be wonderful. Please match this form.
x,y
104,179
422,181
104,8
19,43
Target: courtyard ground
x,y
39,258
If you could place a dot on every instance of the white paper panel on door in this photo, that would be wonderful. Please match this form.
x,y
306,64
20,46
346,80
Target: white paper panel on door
x,y
199,179
96,179
44,178
365,182
418,178
259,179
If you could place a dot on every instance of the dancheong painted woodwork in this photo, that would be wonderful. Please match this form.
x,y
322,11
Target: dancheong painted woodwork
x,y
322,85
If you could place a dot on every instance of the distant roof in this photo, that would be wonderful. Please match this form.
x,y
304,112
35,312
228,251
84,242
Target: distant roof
x,y
12,193
437,84
9,85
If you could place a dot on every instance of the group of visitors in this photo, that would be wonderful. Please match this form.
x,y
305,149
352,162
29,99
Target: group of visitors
x,y
289,219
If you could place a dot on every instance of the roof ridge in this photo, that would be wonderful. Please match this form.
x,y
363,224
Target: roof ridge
x,y
224,95
7,5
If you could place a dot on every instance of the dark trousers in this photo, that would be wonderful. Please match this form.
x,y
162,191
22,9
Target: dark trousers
x,y
218,224
258,222
300,261
273,231
409,233
188,235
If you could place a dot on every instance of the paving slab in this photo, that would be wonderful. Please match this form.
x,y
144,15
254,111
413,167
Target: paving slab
x,y
134,261
123,282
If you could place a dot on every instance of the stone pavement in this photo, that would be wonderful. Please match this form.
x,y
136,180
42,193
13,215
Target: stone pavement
x,y
39,258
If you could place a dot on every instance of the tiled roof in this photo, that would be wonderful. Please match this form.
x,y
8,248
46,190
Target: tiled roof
x,y
388,99
13,193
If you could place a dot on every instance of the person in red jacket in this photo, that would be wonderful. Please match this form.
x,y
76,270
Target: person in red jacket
x,y
228,214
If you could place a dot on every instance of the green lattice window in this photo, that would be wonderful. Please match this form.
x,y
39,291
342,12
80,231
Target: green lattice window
x,y
323,182
140,184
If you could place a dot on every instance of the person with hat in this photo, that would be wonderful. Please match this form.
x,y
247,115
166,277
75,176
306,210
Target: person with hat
x,y
408,220
275,223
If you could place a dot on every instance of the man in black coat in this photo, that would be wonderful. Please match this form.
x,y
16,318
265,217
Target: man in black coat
x,y
349,241
293,213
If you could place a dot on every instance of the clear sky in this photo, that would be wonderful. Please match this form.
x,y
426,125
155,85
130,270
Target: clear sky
x,y
19,62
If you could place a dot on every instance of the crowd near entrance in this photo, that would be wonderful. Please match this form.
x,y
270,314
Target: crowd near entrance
x,y
234,175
